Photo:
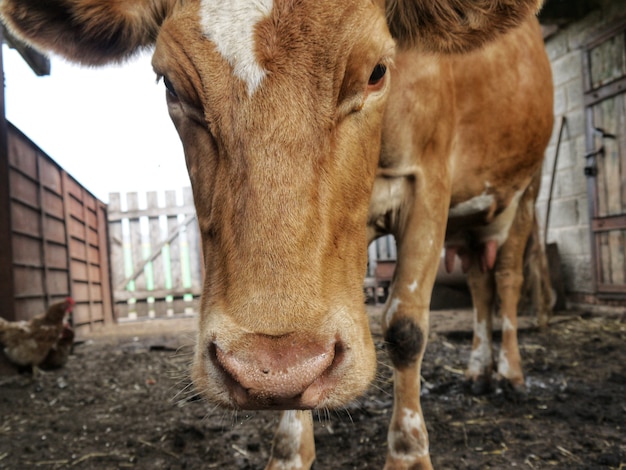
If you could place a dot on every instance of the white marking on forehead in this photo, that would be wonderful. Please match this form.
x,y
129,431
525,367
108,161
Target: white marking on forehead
x,y
472,206
230,25
413,286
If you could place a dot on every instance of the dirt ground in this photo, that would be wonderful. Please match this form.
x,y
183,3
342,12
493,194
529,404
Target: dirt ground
x,y
124,401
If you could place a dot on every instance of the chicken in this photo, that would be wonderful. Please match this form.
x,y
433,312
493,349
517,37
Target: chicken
x,y
28,343
57,356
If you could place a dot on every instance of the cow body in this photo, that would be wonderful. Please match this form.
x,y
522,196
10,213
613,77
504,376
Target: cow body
x,y
309,130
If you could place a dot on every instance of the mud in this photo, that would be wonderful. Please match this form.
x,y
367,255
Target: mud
x,y
124,401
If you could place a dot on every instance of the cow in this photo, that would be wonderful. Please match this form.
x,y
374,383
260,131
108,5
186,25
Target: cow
x,y
310,127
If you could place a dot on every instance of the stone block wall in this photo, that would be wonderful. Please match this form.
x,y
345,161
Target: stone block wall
x,y
568,225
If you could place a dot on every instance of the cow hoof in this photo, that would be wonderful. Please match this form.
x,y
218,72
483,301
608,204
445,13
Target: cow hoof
x,y
515,392
480,385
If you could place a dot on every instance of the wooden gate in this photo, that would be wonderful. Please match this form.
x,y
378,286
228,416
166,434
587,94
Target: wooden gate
x,y
155,256
605,101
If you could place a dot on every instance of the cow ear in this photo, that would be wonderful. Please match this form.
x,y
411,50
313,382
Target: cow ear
x,y
91,32
454,25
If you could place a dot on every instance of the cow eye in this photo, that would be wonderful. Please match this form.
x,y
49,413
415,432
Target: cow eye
x,y
377,74
169,87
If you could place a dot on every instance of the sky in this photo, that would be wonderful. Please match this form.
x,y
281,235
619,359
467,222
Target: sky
x,y
108,127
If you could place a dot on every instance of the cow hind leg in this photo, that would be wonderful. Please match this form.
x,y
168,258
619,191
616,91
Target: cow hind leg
x,y
509,276
480,365
294,446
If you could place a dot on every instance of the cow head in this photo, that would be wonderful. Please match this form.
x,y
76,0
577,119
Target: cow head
x,y
279,105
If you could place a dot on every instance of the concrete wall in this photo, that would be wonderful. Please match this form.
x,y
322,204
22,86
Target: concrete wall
x,y
569,216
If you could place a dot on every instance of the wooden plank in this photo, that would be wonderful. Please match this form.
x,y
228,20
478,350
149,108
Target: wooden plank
x,y
195,247
607,61
158,272
186,209
174,251
621,140
601,198
605,259
136,243
616,249
104,265
611,162
116,246
173,235
157,294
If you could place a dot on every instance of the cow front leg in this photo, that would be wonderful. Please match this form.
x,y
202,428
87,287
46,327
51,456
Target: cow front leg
x,y
405,328
405,333
293,447
480,365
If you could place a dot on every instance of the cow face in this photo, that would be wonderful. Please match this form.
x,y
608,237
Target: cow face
x,y
279,111
279,106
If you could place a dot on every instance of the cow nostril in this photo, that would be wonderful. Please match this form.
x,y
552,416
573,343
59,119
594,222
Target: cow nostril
x,y
274,372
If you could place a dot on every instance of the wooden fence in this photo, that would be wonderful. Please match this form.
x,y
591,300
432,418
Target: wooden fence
x,y
155,255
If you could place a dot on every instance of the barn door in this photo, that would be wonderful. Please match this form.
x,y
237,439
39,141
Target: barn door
x,y
605,100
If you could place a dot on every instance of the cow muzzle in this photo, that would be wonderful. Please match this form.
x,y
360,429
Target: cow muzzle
x,y
290,371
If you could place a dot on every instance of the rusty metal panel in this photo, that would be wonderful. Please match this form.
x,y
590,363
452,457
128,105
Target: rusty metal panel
x,y
28,281
56,256
49,174
58,244
25,220
25,251
23,188
53,204
22,157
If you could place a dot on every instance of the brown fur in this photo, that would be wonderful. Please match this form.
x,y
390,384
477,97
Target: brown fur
x,y
454,26
91,32
292,182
